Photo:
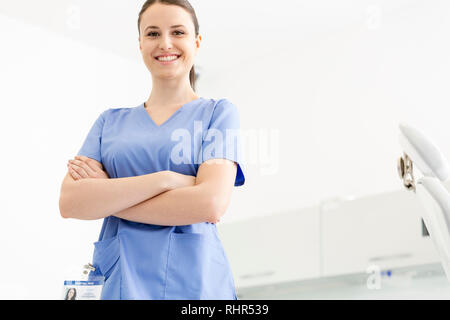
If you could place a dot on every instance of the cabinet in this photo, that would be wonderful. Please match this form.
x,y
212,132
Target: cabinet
x,y
384,231
272,249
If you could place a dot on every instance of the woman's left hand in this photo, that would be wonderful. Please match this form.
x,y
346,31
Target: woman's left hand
x,y
82,168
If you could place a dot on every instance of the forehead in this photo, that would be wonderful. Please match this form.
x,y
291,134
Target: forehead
x,y
165,16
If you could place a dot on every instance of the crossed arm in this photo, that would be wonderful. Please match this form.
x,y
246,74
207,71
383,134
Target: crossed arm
x,y
204,200
207,200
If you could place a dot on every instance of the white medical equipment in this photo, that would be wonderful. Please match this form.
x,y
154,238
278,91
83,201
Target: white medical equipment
x,y
434,197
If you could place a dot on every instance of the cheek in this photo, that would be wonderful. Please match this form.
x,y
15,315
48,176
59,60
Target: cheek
x,y
188,54
145,49
147,46
147,54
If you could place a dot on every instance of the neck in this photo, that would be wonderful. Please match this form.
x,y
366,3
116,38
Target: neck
x,y
171,92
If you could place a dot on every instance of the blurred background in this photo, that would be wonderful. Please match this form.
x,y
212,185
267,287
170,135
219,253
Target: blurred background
x,y
321,87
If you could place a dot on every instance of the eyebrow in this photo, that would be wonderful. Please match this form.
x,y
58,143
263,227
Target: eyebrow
x,y
155,27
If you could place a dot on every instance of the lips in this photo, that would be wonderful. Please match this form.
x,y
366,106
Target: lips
x,y
168,55
168,62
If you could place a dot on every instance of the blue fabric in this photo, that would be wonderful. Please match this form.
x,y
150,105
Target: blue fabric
x,y
144,261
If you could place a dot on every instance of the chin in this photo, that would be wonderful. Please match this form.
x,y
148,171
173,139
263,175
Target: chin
x,y
166,76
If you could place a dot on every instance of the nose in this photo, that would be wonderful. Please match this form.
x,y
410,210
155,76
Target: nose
x,y
165,44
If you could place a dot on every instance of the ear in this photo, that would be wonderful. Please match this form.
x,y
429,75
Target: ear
x,y
140,46
198,41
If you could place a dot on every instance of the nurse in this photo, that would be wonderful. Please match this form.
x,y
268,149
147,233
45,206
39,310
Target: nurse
x,y
160,174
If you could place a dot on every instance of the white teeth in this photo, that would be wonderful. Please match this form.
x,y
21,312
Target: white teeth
x,y
170,58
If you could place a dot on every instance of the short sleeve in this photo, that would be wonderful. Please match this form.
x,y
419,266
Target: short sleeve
x,y
223,137
92,144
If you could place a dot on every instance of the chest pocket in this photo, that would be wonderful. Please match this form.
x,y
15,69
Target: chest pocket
x,y
197,269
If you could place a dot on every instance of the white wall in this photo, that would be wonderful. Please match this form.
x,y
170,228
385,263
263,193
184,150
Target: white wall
x,y
332,79
337,100
53,90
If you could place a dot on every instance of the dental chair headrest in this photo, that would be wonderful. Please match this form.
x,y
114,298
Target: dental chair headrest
x,y
423,153
439,194
436,202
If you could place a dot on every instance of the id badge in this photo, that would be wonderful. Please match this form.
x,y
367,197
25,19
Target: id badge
x,y
88,287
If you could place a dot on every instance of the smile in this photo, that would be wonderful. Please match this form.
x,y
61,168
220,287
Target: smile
x,y
168,60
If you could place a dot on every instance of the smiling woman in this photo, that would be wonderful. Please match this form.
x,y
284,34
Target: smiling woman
x,y
160,206
180,32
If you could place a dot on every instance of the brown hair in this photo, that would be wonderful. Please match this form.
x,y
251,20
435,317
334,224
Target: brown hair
x,y
185,5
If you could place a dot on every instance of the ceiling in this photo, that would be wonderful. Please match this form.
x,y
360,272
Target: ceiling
x,y
236,29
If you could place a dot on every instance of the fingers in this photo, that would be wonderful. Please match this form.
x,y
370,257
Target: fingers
x,y
86,169
80,172
86,166
74,174
83,158
92,163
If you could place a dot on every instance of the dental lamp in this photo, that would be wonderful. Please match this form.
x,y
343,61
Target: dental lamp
x,y
419,150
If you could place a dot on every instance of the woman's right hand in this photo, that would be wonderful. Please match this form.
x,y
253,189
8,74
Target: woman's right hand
x,y
178,180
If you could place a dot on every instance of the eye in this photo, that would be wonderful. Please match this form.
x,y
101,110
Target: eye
x,y
177,32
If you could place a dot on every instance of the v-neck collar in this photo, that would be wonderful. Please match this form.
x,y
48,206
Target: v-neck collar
x,y
171,117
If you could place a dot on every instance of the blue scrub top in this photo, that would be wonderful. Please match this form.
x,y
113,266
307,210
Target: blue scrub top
x,y
145,261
